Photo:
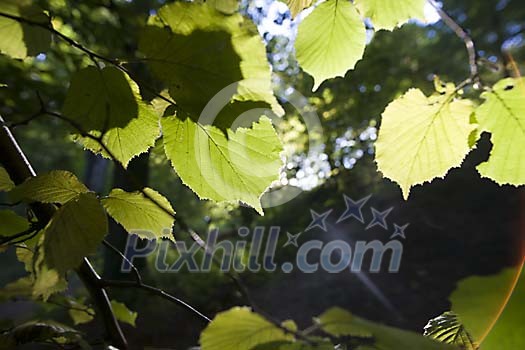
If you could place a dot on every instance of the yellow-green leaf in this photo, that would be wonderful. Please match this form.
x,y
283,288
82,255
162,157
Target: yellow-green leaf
x,y
123,314
296,6
57,186
240,329
330,40
422,138
239,166
106,104
147,214
339,322
195,77
503,115
388,14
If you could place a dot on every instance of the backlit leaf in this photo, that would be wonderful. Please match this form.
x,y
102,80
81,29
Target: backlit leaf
x,y
240,329
422,138
296,6
330,40
480,301
57,186
123,314
388,14
107,104
339,322
148,215
178,44
237,167
503,115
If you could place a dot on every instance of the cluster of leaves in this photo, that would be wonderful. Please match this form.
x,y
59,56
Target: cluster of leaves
x,y
242,329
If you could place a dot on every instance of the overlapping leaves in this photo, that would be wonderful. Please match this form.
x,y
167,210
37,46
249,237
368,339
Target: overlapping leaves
x,y
105,104
18,39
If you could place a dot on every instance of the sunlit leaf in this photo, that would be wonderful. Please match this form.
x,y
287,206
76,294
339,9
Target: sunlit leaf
x,y
20,40
177,45
107,104
57,186
123,314
340,323
488,311
330,40
296,6
388,14
503,115
237,167
422,138
148,215
240,329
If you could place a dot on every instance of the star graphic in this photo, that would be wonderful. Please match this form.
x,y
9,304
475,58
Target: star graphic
x,y
292,239
318,220
379,218
354,209
399,231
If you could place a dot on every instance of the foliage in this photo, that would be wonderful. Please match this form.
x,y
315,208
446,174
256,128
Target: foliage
x,y
447,328
116,108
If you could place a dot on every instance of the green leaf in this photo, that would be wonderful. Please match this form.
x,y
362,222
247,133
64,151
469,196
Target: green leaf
x,y
80,313
6,184
296,6
57,186
422,138
123,314
21,40
107,105
240,329
12,223
195,77
503,115
447,328
147,214
489,312
74,232
388,14
330,40
239,166
339,322
227,7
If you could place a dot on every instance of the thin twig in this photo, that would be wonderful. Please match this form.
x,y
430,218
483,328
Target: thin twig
x,y
138,277
465,37
90,53
153,290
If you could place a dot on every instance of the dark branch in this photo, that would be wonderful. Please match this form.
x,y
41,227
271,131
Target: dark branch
x,y
19,169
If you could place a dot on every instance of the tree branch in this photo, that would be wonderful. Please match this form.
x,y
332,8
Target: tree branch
x,y
139,284
19,169
465,37
90,53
